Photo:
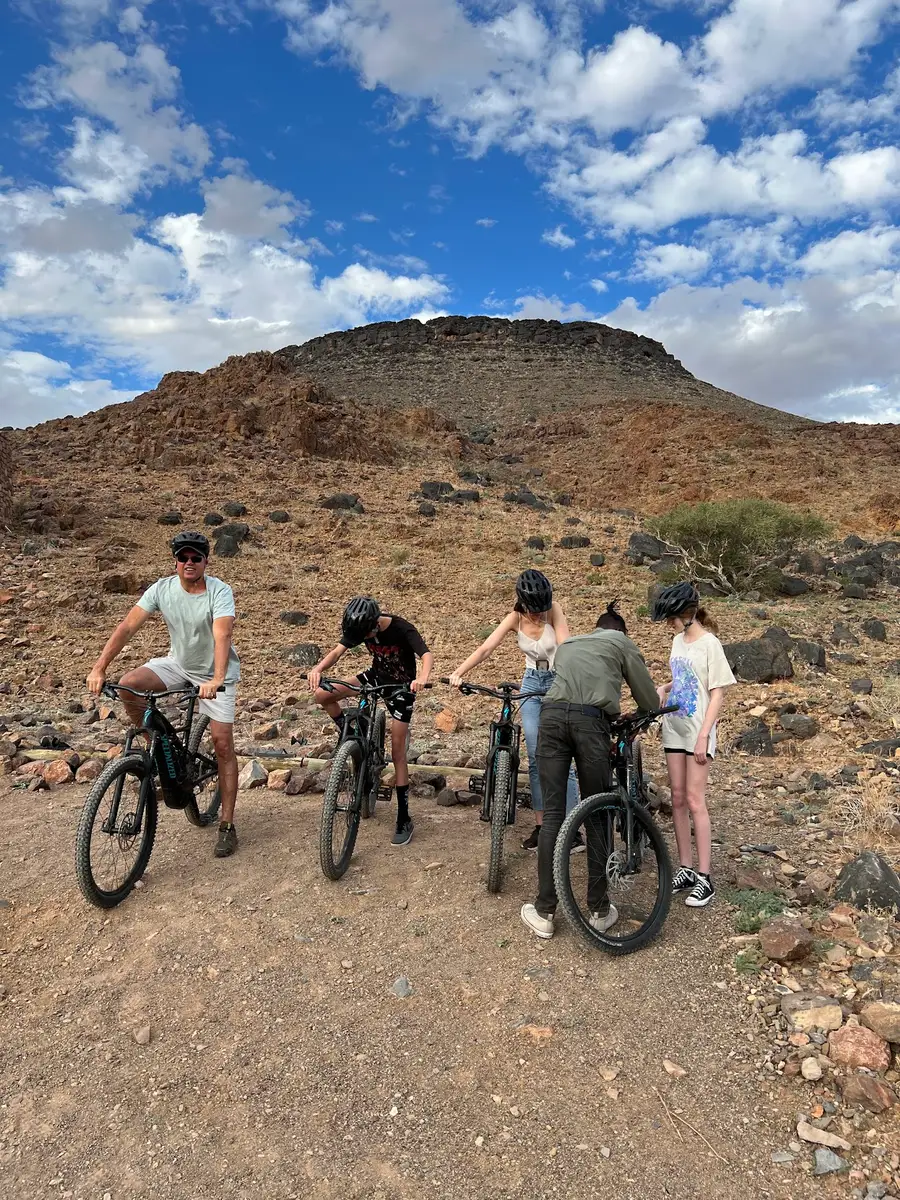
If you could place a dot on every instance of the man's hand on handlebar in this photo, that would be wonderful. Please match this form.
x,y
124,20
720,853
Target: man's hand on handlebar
x,y
314,676
207,691
95,680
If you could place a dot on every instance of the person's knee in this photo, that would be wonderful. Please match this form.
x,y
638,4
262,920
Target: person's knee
x,y
321,696
696,800
223,743
132,679
679,796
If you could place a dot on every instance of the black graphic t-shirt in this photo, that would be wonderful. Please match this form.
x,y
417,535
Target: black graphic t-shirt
x,y
394,650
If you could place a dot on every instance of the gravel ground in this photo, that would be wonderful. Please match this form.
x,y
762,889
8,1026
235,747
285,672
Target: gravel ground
x,y
281,1063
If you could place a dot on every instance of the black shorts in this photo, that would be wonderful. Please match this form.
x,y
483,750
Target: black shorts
x,y
398,702
686,753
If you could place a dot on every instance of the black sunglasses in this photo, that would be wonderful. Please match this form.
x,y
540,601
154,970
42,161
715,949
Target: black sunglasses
x,y
186,557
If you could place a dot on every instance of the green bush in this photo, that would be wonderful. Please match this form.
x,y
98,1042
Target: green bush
x,y
730,543
754,908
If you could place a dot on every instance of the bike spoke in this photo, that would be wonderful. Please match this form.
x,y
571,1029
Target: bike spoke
x,y
115,840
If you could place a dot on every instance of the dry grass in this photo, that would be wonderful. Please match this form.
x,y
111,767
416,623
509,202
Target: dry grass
x,y
885,701
870,816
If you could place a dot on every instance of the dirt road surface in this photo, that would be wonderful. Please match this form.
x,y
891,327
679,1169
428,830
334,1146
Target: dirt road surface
x,y
281,1063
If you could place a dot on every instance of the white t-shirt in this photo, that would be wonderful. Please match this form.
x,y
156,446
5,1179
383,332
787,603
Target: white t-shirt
x,y
697,667
189,617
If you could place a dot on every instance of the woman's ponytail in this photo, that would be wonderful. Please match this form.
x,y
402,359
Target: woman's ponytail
x,y
707,620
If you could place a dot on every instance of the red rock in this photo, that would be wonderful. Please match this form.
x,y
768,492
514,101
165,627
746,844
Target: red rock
x,y
57,773
869,1093
447,721
856,1046
278,780
883,1017
48,681
785,940
88,771
31,770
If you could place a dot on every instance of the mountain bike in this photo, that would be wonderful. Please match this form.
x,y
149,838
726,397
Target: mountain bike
x,y
354,782
499,783
118,822
625,848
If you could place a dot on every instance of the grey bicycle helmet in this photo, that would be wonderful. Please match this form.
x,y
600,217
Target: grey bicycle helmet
x,y
672,601
189,540
359,619
534,591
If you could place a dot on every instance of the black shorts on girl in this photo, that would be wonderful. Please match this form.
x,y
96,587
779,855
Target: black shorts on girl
x,y
399,702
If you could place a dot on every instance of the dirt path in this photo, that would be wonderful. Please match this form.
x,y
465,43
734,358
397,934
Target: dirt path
x,y
282,1065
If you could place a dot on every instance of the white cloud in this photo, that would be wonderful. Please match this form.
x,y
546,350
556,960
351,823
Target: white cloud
x,y
559,238
549,308
486,222
853,252
334,226
600,285
238,204
36,387
367,218
672,260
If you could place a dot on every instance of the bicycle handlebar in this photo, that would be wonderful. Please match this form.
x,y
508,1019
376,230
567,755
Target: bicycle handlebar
x,y
503,691
329,684
112,690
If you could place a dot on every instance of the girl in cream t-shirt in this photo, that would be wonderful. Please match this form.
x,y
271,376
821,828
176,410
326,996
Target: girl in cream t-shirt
x,y
700,675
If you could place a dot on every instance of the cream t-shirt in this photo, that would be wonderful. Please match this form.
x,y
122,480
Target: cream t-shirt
x,y
697,667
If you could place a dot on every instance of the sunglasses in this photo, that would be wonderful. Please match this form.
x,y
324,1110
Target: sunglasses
x,y
190,558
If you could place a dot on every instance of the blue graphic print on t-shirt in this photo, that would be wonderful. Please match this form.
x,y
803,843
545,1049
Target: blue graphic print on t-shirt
x,y
685,687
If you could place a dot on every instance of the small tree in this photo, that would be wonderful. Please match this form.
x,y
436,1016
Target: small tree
x,y
730,544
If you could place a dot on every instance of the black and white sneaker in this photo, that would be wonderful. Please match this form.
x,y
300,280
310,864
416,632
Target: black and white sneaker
x,y
531,842
685,878
701,893
404,833
577,846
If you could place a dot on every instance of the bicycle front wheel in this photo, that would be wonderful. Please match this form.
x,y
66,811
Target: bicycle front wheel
x,y
625,864
341,810
499,805
376,765
111,851
203,808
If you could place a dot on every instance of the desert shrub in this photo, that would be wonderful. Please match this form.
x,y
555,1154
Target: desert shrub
x,y
754,908
730,543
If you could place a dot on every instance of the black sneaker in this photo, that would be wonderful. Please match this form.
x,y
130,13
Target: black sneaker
x,y
685,878
403,836
577,846
531,842
227,840
701,893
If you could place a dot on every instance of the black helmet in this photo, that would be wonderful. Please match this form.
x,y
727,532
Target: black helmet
x,y
673,600
534,591
190,541
359,618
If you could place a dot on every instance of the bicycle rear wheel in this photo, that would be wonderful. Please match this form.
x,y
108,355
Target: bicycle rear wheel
x,y
341,810
376,766
110,853
637,877
203,808
501,777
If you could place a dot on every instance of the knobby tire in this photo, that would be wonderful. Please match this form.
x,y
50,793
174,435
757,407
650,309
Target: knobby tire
x,y
138,768
376,765
502,781
196,812
345,770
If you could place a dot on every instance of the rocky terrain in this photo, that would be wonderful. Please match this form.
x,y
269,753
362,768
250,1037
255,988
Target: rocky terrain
x,y
508,1068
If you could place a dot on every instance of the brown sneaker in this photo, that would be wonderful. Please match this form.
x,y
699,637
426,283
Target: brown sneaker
x,y
227,841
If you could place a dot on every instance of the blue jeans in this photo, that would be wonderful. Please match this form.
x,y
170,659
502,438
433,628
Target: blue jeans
x,y
539,682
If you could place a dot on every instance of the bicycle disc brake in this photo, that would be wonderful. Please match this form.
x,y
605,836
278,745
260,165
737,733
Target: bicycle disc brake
x,y
617,871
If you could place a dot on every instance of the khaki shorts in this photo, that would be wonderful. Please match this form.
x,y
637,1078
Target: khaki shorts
x,y
173,675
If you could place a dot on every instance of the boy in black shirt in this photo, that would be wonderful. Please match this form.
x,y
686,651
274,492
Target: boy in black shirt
x,y
395,645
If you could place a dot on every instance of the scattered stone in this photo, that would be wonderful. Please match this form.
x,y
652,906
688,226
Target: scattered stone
x,y
869,881
791,585
862,687
798,725
447,721
868,1092
463,496
810,1069
819,882
267,733
301,782
304,654
759,661
642,546
127,584
783,1158
807,1012
342,502
842,635
169,518
883,1017
673,1069
811,562
279,516
142,1035
212,518
598,560
446,798
826,1162
427,509
294,617
526,497
821,1137
574,541
234,509
854,591
855,1046
433,489
278,780
757,740
227,546
252,776
812,653
875,630
57,773
88,771
402,988
785,940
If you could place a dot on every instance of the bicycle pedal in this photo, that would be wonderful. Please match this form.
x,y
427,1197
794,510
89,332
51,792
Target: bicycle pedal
x,y
384,793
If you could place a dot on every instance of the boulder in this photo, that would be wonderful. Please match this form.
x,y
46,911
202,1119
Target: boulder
x,y
791,585
758,661
812,653
854,591
433,489
779,636
294,617
252,776
278,780
239,530
875,630
573,541
212,518
126,584
427,509
535,543
808,1012
227,546
811,562
862,687
855,1046
57,773
757,741
88,771
868,1092
279,516
869,881
342,502
526,497
234,509
169,518
304,654
446,798
597,560
883,1018
854,542
446,721
462,496
785,940
642,546
301,782
799,725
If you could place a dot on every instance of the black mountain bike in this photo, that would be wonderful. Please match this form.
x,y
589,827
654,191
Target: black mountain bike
x,y
624,847
118,822
354,783
498,785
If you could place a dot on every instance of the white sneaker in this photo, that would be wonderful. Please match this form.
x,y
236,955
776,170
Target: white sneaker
x,y
601,924
542,927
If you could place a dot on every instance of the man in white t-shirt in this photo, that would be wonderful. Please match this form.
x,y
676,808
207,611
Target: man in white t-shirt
x,y
198,610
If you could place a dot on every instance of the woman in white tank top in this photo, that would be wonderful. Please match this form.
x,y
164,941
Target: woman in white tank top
x,y
540,626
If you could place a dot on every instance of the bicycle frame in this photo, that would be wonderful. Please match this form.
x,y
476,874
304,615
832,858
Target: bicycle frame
x,y
506,734
359,726
625,732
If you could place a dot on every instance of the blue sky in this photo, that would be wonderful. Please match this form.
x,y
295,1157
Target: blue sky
x,y
180,182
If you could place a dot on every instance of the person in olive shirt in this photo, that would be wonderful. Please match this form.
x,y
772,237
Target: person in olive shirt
x,y
575,723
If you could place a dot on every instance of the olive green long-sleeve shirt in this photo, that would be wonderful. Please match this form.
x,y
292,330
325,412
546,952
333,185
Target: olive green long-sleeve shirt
x,y
591,668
